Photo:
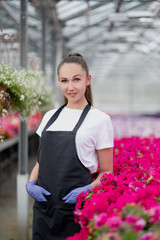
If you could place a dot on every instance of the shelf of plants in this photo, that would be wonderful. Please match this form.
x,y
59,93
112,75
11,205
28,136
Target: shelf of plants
x,y
9,127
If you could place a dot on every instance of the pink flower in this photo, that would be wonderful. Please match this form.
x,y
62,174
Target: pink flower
x,y
130,218
147,236
81,235
114,222
100,219
139,224
154,214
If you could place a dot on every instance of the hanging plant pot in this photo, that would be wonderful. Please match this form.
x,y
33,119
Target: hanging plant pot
x,y
22,91
4,100
2,95
2,87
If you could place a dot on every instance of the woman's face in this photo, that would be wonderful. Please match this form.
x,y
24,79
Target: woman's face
x,y
73,82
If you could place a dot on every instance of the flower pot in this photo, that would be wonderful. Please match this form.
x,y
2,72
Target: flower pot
x,y
2,96
2,87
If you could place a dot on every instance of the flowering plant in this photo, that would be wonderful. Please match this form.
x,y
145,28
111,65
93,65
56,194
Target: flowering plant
x,y
126,206
9,125
44,93
25,91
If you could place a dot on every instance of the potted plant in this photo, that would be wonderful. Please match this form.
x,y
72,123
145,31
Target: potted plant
x,y
23,91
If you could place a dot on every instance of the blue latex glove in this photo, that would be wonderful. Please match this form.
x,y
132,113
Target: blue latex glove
x,y
71,197
37,192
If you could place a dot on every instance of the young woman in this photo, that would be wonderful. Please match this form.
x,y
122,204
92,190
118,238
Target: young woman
x,y
74,140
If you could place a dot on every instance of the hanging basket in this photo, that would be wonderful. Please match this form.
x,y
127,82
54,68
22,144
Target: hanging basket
x,y
22,91
4,100
2,95
2,87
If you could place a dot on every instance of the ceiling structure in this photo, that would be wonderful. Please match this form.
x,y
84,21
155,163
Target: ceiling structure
x,y
120,40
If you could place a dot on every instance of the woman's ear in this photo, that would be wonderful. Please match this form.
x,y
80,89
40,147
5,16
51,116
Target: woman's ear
x,y
88,80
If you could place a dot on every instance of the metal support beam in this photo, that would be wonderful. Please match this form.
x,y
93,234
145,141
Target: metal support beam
x,y
54,18
53,59
22,178
23,149
23,145
118,4
43,15
59,46
87,28
59,56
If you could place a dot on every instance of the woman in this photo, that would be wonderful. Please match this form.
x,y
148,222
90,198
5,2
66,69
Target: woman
x,y
74,140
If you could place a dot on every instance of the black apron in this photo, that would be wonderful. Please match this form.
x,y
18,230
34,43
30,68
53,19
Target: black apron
x,y
60,171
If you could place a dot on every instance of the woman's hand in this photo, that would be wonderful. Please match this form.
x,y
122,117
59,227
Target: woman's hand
x,y
71,197
37,192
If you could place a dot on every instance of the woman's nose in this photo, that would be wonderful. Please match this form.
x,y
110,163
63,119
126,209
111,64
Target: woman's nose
x,y
70,86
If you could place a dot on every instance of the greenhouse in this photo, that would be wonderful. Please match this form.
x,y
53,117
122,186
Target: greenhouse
x,y
77,164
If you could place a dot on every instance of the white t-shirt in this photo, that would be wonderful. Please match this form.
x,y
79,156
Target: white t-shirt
x,y
95,133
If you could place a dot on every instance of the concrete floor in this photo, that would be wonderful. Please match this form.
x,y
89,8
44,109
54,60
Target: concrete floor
x,y
8,204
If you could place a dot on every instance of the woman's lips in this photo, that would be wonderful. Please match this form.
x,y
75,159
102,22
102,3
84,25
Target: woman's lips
x,y
72,94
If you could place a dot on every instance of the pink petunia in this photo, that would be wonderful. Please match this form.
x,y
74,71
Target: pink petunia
x,y
139,224
147,236
154,214
113,222
100,219
131,218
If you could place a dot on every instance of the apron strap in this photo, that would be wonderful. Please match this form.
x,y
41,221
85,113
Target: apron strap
x,y
82,117
54,117
56,114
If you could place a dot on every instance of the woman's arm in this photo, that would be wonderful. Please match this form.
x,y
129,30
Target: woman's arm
x,y
105,159
34,173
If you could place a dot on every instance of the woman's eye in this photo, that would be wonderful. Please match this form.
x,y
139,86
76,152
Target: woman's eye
x,y
63,81
76,79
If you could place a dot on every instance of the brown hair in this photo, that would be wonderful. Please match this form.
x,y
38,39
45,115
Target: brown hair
x,y
78,59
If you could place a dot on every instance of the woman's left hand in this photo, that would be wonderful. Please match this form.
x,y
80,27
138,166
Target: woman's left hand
x,y
71,197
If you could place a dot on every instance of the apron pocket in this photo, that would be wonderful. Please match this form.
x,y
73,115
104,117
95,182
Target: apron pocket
x,y
47,207
65,225
64,205
56,218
